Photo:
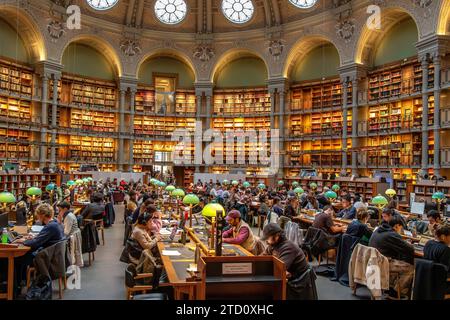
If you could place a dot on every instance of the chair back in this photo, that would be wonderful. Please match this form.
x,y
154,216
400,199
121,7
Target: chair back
x,y
51,261
430,280
130,273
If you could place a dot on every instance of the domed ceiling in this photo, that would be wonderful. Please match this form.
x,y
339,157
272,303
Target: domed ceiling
x,y
201,16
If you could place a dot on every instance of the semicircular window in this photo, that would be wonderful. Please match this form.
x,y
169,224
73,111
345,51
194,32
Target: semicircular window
x,y
102,4
170,11
238,11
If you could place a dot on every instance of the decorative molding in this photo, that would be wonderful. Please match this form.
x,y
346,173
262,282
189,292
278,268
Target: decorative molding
x,y
276,48
130,47
204,53
56,30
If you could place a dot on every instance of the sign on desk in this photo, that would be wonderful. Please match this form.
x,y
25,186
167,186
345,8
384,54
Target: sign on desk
x,y
237,268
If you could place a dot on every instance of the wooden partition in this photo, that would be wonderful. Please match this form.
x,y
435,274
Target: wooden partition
x,y
234,278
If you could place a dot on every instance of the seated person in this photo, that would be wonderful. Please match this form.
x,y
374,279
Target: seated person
x,y
439,250
359,228
143,235
435,221
348,211
51,233
324,221
388,241
276,207
240,233
388,214
96,209
263,207
311,202
67,218
156,221
291,208
287,251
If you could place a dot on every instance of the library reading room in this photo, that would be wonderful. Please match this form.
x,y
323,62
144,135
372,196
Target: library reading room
x,y
198,150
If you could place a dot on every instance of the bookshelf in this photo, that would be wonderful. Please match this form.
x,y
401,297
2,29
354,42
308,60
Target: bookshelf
x,y
14,144
162,126
242,102
19,183
393,151
328,94
143,152
145,100
297,126
258,124
188,176
91,149
185,102
15,109
330,123
403,187
15,79
425,188
93,120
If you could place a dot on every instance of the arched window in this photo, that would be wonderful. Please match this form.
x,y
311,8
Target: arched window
x,y
303,4
102,4
238,11
170,11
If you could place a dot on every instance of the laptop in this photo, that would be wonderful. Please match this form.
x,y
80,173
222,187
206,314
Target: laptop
x,y
422,242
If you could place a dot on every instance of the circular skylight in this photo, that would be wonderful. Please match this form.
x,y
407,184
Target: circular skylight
x,y
303,4
102,4
170,11
238,11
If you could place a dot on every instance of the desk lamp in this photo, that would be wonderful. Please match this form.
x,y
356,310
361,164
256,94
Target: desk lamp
x,y
380,202
280,183
191,200
34,193
169,189
235,183
210,212
7,198
331,195
295,184
313,186
391,193
50,188
225,182
70,184
178,194
246,184
439,197
336,188
261,186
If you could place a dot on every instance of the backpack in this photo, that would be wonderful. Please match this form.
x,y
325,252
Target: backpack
x,y
40,289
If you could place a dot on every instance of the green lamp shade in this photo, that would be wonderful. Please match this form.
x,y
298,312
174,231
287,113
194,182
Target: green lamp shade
x,y
170,188
50,187
210,210
178,193
281,182
299,190
34,191
390,192
7,197
70,183
85,180
246,184
89,179
379,200
336,188
295,184
438,196
155,182
261,186
162,184
313,185
152,180
79,181
331,194
191,199
234,183
226,182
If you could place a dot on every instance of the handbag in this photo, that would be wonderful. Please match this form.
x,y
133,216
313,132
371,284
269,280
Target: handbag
x,y
40,289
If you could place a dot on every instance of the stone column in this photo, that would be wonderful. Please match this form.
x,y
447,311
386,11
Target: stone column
x,y
437,115
424,164
54,124
121,150
131,129
273,98
208,110
354,126
44,121
344,125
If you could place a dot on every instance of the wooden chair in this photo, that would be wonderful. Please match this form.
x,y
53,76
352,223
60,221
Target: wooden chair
x,y
132,284
99,225
261,220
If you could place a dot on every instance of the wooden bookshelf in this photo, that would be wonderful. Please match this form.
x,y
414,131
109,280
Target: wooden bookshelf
x,y
393,151
185,102
403,187
162,126
330,123
324,153
16,79
14,144
19,183
188,176
328,94
15,109
143,152
242,102
296,126
425,188
145,100
91,149
93,120
258,124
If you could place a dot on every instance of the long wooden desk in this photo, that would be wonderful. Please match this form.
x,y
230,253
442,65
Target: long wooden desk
x,y
11,252
176,266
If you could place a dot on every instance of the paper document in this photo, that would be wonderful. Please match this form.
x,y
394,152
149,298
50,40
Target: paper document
x,y
171,253
165,232
36,229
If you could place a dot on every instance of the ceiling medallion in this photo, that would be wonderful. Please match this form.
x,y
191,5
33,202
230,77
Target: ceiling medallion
x,y
204,53
345,26
55,29
130,47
